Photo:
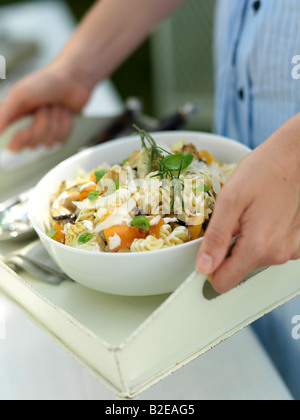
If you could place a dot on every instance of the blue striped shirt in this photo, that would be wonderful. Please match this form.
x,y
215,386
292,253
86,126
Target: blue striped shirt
x,y
257,44
257,57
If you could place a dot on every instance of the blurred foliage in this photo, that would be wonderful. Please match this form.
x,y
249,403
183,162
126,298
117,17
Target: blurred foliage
x,y
133,78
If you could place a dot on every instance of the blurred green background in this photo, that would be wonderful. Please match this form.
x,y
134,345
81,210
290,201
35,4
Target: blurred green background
x,y
173,66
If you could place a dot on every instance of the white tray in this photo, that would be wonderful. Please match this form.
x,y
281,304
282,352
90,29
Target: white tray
x,y
132,343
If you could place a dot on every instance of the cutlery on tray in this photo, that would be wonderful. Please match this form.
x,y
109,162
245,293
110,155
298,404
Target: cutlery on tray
x,y
35,261
14,221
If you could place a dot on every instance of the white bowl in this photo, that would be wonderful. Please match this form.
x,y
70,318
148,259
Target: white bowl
x,y
130,274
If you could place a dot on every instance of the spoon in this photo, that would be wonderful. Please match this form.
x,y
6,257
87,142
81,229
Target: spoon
x,y
14,222
33,264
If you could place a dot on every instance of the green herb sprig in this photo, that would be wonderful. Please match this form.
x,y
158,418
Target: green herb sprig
x,y
169,166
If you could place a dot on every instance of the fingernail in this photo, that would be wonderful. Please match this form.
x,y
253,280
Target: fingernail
x,y
205,264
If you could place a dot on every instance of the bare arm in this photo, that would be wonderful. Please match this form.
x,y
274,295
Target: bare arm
x,y
111,30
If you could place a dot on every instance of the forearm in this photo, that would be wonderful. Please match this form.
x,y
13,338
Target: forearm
x,y
112,30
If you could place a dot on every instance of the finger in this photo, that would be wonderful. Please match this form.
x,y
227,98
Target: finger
x,y
34,135
296,251
237,229
236,267
65,125
21,140
53,121
60,124
51,125
15,105
222,227
40,128
26,96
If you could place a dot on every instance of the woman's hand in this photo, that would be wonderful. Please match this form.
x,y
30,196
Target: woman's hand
x,y
51,95
261,204
104,39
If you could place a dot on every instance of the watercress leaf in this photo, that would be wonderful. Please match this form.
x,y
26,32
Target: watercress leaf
x,y
172,162
52,233
202,188
117,184
100,174
187,160
141,222
93,195
178,161
85,237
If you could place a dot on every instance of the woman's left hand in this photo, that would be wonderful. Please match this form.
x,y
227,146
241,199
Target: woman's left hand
x,y
260,203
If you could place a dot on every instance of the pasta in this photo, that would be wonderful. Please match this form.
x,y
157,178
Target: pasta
x,y
151,243
177,237
157,199
74,232
165,231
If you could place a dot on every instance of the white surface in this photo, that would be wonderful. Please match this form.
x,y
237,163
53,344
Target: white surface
x,y
162,271
32,366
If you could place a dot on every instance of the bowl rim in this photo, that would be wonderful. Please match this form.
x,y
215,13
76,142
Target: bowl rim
x,y
108,145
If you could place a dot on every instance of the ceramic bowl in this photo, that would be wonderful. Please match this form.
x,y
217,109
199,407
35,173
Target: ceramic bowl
x,y
130,274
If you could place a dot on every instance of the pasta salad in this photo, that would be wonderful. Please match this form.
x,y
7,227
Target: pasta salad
x,y
159,197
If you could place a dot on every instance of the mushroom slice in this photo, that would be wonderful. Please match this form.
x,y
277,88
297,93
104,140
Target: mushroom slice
x,y
190,148
62,207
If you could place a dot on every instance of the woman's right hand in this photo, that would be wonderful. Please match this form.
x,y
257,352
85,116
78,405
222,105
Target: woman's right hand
x,y
52,95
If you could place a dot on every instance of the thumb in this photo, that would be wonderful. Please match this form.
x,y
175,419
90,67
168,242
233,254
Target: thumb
x,y
219,234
